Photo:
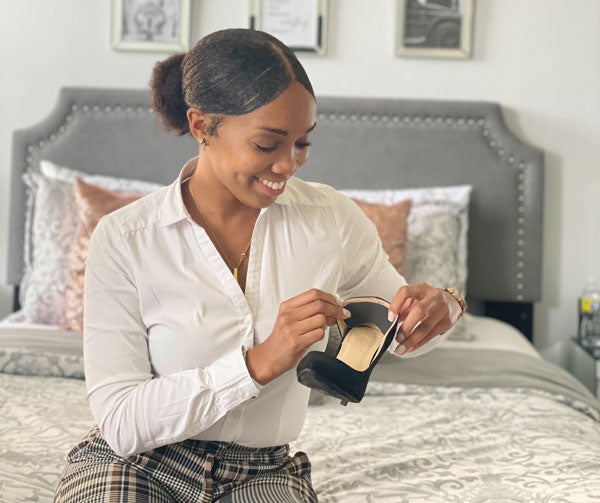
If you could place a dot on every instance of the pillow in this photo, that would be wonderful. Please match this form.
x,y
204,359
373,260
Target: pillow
x,y
53,226
50,228
93,202
436,241
391,226
38,350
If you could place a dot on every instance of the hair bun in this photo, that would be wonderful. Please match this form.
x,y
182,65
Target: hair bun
x,y
167,94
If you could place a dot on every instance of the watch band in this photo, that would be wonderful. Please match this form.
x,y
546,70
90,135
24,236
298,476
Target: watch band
x,y
459,299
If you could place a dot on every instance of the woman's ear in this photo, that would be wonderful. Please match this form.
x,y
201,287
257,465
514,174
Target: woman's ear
x,y
198,123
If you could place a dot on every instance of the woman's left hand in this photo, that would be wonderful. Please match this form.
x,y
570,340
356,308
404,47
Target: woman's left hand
x,y
425,312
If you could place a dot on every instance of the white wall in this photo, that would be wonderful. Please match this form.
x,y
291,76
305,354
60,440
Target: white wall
x,y
539,58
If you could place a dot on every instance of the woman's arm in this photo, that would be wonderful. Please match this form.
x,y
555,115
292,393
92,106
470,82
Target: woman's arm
x,y
135,411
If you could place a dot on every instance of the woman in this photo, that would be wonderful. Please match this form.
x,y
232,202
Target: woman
x,y
202,297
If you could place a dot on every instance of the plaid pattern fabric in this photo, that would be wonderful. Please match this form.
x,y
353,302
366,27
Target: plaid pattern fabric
x,y
189,471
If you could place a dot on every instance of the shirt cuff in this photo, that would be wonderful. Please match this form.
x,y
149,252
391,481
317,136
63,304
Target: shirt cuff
x,y
230,379
256,383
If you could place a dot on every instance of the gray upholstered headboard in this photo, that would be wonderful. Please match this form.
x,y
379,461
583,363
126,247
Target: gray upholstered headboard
x,y
358,143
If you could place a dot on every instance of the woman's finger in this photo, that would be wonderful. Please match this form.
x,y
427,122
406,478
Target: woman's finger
x,y
320,307
406,307
441,327
424,331
416,290
310,296
418,312
304,326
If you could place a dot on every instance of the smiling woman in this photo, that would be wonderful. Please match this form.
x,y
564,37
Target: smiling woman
x,y
268,144
202,297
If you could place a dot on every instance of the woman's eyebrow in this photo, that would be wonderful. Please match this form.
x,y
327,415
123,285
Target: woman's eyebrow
x,y
282,132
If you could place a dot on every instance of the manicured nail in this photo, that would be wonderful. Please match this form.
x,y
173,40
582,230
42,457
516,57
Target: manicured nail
x,y
347,313
400,337
339,301
400,349
391,316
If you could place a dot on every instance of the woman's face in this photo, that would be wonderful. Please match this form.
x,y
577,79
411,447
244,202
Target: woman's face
x,y
267,145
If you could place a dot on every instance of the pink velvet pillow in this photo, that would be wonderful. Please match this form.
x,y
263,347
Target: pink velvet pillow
x,y
93,202
391,222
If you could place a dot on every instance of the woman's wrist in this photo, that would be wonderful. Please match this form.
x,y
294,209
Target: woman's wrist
x,y
254,369
459,299
456,304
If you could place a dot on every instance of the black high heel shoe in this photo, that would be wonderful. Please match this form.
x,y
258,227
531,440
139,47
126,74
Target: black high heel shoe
x,y
365,336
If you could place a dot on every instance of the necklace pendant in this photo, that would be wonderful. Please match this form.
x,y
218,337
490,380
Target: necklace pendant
x,y
235,273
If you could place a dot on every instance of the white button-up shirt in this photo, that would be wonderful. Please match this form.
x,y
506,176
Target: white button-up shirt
x,y
165,320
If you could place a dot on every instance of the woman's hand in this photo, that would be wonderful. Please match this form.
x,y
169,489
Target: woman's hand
x,y
425,312
301,321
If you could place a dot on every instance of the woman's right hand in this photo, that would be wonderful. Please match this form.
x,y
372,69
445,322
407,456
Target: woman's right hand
x,y
301,321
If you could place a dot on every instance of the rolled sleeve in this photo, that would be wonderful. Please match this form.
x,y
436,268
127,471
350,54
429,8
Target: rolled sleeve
x,y
136,411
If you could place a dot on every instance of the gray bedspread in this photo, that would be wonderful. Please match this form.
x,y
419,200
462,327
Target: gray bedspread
x,y
482,368
450,426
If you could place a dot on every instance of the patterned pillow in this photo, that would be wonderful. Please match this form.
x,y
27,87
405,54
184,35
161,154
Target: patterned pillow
x,y
93,202
40,350
391,226
51,226
436,243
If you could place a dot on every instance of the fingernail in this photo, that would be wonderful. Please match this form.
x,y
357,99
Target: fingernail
x,y
347,313
400,349
400,337
391,316
339,301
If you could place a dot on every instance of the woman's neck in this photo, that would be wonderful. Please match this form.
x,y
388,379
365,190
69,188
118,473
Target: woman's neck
x,y
216,202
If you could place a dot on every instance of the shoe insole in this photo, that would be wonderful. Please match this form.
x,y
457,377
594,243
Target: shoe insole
x,y
360,345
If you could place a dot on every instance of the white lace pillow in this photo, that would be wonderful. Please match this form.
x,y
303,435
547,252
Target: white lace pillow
x,y
436,242
50,231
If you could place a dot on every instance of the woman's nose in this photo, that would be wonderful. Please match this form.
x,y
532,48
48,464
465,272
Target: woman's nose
x,y
286,164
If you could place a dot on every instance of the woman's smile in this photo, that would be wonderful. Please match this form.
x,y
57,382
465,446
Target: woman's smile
x,y
269,187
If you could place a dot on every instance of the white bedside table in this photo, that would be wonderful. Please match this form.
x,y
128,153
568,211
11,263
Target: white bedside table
x,y
584,364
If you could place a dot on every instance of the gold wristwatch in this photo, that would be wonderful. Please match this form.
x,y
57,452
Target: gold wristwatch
x,y
459,299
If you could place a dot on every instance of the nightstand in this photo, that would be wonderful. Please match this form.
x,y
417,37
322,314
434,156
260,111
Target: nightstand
x,y
584,364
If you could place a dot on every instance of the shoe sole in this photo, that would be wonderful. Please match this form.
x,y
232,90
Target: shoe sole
x,y
313,380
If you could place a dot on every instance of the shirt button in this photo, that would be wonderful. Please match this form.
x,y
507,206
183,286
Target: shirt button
x,y
240,394
236,414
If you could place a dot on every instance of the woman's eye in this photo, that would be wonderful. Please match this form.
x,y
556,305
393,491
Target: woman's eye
x,y
264,149
301,145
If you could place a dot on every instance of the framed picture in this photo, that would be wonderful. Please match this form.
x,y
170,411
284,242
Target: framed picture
x,y
151,25
434,28
299,24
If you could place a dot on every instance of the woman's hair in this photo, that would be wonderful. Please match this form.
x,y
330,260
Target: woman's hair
x,y
228,72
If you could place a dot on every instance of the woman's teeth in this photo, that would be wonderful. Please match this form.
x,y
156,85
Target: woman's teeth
x,y
274,186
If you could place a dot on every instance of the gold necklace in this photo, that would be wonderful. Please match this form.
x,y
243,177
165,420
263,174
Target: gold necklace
x,y
219,246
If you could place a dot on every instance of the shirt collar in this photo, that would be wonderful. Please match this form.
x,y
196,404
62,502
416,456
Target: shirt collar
x,y
174,209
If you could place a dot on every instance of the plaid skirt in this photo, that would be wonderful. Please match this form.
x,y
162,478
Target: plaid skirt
x,y
189,471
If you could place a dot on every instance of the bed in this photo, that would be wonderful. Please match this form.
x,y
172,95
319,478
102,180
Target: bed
x,y
482,417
